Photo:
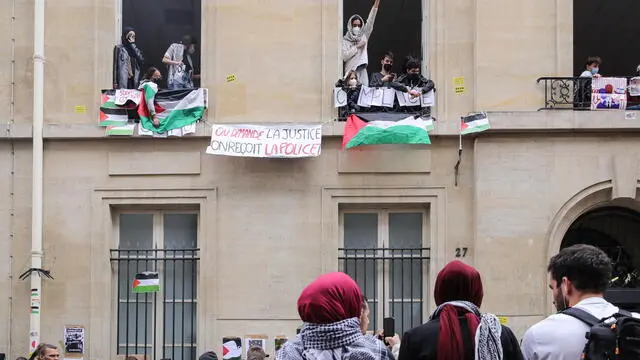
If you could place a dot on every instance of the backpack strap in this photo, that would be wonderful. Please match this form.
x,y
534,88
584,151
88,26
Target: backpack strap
x,y
624,313
582,315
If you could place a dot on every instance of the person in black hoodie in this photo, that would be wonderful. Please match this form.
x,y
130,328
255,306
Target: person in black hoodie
x,y
457,330
127,61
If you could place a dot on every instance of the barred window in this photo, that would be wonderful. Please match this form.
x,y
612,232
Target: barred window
x,y
162,324
383,250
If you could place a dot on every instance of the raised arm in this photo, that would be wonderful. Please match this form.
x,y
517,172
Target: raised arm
x,y
367,29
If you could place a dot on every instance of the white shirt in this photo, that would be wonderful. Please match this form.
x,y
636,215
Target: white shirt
x,y
562,337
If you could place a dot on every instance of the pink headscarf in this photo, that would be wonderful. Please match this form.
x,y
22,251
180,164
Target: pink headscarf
x,y
330,298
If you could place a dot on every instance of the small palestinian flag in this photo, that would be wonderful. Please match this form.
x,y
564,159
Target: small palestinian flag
x,y
386,128
146,282
115,106
473,123
175,109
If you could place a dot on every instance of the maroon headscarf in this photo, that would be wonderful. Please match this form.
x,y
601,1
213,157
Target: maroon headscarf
x,y
330,298
456,282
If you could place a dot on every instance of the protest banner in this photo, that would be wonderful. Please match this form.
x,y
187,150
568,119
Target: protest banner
x,y
266,141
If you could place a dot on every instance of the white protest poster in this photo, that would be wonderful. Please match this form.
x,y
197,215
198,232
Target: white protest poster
x,y
366,96
634,86
73,341
401,99
253,341
266,141
124,95
428,99
412,100
388,97
376,99
339,97
608,93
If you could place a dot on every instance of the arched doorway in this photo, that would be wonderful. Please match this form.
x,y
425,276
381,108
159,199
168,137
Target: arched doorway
x,y
616,230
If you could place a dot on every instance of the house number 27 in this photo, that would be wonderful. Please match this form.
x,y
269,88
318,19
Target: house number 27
x,y
461,252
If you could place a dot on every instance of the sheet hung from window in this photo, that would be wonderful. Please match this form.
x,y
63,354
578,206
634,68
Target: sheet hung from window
x,y
180,290
405,268
361,245
135,311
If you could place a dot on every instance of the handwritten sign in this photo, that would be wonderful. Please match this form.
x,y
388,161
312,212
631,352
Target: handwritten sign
x,y
124,95
231,78
80,109
266,141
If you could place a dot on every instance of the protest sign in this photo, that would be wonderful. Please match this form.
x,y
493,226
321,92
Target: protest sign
x,y
608,93
266,141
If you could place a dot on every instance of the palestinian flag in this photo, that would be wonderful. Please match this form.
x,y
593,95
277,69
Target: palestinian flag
x,y
386,128
124,130
174,108
231,348
112,114
473,123
146,282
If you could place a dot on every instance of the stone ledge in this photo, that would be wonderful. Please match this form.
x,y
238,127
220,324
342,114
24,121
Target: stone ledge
x,y
551,121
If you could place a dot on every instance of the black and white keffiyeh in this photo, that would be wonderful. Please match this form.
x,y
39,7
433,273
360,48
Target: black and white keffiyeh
x,y
488,345
342,340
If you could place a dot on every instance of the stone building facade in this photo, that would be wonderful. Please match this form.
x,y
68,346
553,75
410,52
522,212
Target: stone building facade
x,y
266,227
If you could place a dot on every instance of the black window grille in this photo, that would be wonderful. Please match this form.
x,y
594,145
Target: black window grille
x,y
159,325
393,280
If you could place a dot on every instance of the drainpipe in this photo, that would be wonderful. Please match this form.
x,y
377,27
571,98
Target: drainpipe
x,y
37,175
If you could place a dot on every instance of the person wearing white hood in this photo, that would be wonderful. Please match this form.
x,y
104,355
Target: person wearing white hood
x,y
354,44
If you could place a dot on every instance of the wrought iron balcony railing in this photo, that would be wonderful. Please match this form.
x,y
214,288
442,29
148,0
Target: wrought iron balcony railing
x,y
571,93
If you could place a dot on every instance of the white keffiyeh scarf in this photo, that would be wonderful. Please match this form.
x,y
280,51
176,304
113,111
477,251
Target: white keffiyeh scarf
x,y
487,342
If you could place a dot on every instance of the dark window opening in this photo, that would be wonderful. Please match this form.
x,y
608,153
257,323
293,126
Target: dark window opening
x,y
398,28
608,29
614,230
160,23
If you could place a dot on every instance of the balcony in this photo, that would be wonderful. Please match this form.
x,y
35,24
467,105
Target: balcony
x,y
575,93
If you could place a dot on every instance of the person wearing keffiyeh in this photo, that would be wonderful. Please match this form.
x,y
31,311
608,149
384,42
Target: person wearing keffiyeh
x,y
457,330
331,307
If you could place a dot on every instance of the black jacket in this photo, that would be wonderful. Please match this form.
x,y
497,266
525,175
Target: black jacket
x,y
421,343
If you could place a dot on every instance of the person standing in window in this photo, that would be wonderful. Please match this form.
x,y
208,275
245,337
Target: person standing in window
x,y
385,77
354,44
178,59
127,61
592,67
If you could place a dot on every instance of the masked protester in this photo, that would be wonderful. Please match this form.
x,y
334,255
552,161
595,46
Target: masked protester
x,y
179,61
354,43
149,86
127,61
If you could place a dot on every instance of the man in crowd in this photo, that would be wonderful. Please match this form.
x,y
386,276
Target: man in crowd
x,y
578,277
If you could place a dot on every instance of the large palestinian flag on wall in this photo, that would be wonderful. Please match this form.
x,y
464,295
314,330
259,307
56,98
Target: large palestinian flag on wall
x,y
175,109
386,128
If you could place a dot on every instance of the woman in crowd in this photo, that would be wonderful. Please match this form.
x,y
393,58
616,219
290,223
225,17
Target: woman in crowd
x,y
457,330
354,44
331,307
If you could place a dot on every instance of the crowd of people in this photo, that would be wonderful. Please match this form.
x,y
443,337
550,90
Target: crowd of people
x,y
335,317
